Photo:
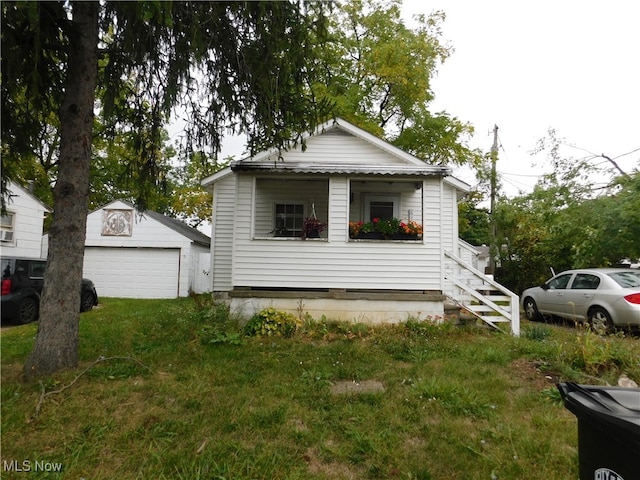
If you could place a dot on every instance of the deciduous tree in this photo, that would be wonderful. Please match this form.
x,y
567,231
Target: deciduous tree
x,y
378,71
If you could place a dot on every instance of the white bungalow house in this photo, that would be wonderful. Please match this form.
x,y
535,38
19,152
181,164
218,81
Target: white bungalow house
x,y
132,254
345,176
21,225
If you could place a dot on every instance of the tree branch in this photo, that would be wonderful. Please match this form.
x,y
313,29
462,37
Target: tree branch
x,y
44,394
613,162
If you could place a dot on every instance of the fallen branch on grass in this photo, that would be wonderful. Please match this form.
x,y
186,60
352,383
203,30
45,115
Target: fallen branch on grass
x,y
44,394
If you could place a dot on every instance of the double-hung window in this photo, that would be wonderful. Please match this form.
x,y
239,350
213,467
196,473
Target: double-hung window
x,y
288,219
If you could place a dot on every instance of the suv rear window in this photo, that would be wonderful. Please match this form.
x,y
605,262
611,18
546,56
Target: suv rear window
x,y
36,269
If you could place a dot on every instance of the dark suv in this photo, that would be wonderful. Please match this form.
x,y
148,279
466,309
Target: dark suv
x,y
22,281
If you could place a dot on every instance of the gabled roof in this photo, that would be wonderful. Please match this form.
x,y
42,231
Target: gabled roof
x,y
270,161
24,192
173,223
179,226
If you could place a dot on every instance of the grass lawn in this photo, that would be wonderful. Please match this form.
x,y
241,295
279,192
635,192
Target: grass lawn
x,y
182,394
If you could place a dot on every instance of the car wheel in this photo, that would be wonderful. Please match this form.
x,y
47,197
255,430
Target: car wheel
x,y
531,310
86,301
600,320
28,310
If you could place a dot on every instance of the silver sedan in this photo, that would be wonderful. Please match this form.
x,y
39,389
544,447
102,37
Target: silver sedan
x,y
604,297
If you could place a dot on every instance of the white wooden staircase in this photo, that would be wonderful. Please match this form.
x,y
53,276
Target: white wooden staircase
x,y
480,296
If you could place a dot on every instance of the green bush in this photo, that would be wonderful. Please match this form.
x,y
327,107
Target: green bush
x,y
272,323
216,324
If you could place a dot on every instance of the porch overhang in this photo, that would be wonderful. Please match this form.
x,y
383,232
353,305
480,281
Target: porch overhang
x,y
340,169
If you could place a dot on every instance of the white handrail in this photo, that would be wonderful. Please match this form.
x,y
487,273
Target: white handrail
x,y
513,315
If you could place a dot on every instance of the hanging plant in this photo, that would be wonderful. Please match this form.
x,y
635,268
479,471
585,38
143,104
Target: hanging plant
x,y
311,226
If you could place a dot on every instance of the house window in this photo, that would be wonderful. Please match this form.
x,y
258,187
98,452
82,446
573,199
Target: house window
x,y
288,219
384,207
6,228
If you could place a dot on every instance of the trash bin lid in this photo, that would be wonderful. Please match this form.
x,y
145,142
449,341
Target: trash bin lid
x,y
616,407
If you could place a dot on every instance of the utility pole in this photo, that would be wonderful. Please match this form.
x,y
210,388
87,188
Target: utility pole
x,y
493,248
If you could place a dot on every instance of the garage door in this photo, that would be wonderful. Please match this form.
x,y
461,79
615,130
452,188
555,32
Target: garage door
x,y
133,272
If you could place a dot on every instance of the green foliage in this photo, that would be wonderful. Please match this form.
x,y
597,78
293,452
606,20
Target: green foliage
x,y
536,332
595,355
216,324
455,399
473,221
272,323
376,71
566,222
246,73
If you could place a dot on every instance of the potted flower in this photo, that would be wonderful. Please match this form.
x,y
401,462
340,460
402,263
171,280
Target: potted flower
x,y
391,229
366,230
312,227
408,230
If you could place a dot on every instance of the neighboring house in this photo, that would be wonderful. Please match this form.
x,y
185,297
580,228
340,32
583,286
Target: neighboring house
x,y
345,175
130,254
477,256
21,224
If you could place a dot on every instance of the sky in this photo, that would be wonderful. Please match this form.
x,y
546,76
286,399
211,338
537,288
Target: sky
x,y
527,66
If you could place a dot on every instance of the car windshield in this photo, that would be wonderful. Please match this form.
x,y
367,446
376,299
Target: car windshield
x,y
626,279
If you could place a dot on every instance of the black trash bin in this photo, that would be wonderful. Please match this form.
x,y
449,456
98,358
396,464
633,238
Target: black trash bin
x,y
608,430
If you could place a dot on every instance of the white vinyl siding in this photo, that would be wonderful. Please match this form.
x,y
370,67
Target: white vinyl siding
x,y
21,231
336,146
224,196
449,212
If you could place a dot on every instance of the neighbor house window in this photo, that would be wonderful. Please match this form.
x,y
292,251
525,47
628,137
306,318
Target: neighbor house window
x,y
288,219
384,207
6,228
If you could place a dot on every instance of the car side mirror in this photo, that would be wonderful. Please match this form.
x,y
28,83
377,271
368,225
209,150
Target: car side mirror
x,y
544,286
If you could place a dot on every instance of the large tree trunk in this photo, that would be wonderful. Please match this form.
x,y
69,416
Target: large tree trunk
x,y
56,344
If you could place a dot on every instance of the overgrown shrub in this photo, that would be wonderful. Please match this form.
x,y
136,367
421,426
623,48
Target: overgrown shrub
x,y
595,354
216,324
272,323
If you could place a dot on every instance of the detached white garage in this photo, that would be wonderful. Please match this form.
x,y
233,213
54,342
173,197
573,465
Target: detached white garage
x,y
129,254
133,272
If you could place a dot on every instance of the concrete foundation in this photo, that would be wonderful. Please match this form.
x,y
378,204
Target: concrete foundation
x,y
373,307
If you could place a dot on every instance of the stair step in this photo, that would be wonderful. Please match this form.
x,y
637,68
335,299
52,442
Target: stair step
x,y
498,298
495,319
480,308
